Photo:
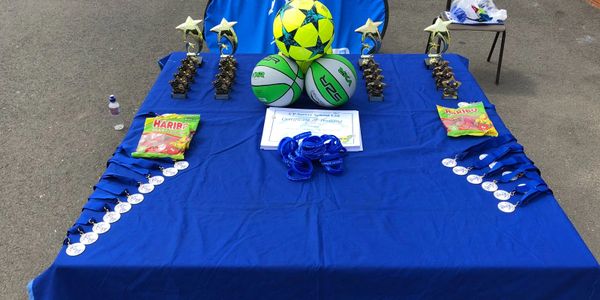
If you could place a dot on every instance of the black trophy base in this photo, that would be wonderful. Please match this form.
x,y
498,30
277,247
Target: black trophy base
x,y
450,97
375,98
222,96
178,96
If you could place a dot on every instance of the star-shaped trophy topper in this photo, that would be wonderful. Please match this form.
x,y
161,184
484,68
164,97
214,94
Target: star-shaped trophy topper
x,y
225,30
370,31
440,26
190,26
369,28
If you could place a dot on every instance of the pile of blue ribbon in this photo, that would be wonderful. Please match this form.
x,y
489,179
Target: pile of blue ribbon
x,y
299,152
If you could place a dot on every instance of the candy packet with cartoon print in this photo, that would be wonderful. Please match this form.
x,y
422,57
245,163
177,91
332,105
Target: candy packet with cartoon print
x,y
467,120
167,136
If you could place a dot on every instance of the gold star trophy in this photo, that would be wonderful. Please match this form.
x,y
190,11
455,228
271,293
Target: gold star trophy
x,y
439,31
371,43
228,42
442,72
192,37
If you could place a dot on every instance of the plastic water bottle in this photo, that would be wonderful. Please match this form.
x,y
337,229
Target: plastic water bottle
x,y
115,113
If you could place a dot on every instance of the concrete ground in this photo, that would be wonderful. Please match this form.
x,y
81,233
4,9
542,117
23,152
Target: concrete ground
x,y
59,60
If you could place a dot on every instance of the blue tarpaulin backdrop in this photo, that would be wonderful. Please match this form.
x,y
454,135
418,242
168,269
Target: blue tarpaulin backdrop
x,y
255,18
396,224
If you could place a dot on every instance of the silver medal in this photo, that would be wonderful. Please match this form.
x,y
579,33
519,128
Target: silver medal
x,y
491,165
483,156
135,198
502,195
459,170
156,180
506,207
474,179
75,249
146,188
449,162
181,165
463,104
489,186
101,227
170,172
111,217
88,238
123,207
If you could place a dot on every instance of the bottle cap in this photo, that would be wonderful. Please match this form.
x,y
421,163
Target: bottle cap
x,y
112,98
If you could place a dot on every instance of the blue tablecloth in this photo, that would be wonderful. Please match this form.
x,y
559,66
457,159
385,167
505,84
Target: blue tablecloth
x,y
396,224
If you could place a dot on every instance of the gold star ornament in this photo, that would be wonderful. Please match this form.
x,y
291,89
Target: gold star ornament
x,y
225,30
223,26
190,26
369,28
440,26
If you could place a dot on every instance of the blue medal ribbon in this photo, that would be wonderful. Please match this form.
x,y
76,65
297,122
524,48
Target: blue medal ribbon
x,y
134,163
507,162
519,172
531,191
125,179
84,220
498,154
109,186
99,204
102,194
135,168
122,155
75,230
486,144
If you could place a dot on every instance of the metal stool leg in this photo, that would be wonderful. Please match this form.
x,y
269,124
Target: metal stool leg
x,y
493,46
500,59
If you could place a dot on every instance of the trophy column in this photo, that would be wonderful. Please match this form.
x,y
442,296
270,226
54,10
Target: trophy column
x,y
193,39
441,71
228,41
371,43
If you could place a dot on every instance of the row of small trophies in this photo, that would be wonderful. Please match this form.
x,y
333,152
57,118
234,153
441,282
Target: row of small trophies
x,y
193,38
441,70
444,80
224,79
373,78
184,77
371,43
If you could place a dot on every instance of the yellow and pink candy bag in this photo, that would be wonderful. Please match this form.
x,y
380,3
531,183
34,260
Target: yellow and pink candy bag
x,y
467,120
